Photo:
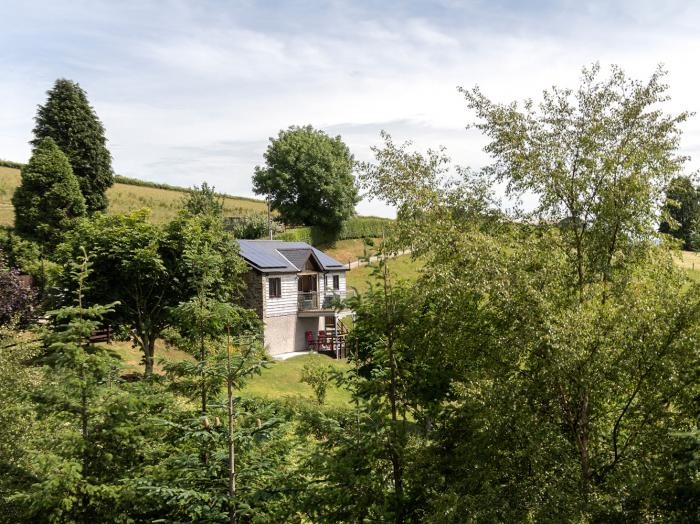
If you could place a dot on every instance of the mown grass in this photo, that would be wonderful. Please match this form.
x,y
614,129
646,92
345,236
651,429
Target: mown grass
x,y
164,203
131,356
282,381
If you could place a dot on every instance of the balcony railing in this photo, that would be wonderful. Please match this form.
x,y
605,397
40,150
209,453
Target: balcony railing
x,y
313,300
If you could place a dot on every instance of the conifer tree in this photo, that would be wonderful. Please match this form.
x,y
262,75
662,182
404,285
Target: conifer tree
x,y
75,389
70,120
48,199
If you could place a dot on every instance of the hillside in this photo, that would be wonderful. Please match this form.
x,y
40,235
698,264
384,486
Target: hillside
x,y
164,202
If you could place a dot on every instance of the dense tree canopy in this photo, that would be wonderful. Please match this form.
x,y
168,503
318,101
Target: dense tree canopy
x,y
543,366
48,199
683,212
571,343
68,118
308,178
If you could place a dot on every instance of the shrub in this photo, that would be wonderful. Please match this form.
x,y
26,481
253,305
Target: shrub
x,y
318,377
250,226
17,297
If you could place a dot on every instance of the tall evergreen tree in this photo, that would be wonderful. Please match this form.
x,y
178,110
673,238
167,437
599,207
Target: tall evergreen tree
x,y
70,120
48,198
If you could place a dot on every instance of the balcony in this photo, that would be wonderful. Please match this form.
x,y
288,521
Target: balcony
x,y
310,301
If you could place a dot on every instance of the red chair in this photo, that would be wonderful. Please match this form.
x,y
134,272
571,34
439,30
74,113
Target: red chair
x,y
322,342
310,344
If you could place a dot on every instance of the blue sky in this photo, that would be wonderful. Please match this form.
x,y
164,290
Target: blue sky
x,y
192,91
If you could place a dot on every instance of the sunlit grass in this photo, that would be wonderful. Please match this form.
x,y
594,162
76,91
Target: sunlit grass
x,y
282,381
164,203
401,268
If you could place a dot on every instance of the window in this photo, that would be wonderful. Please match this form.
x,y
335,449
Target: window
x,y
336,282
275,287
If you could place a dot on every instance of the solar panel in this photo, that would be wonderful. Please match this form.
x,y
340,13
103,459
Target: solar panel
x,y
261,257
264,255
326,261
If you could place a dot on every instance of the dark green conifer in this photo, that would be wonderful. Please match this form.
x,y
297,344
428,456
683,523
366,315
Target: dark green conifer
x,y
48,199
70,120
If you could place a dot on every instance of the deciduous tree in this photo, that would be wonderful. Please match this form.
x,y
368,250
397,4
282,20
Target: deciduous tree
x,y
308,178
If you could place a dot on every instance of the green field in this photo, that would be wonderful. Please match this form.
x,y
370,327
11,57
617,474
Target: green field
x,y
164,203
349,250
401,268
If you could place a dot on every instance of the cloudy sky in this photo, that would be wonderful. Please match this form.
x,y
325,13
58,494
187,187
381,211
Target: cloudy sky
x,y
192,90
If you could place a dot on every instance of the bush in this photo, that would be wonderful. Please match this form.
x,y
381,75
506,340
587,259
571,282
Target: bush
x,y
250,226
17,297
365,227
318,377
298,234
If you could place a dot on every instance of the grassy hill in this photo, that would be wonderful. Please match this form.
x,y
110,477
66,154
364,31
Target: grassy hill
x,y
164,201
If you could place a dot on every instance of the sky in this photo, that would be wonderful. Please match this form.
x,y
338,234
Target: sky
x,y
192,91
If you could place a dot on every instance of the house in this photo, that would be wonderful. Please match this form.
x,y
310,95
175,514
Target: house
x,y
293,286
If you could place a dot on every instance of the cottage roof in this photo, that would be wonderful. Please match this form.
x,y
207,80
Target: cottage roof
x,y
275,256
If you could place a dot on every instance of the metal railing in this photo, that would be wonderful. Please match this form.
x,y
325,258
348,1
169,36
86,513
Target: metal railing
x,y
314,300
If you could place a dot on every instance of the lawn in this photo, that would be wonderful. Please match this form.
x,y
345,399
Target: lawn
x,y
281,380
401,268
164,203
131,356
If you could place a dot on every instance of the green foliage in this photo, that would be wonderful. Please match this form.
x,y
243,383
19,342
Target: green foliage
x,y
298,234
565,354
682,211
204,201
308,177
365,227
48,200
355,227
68,118
251,226
10,163
79,370
318,377
130,266
17,424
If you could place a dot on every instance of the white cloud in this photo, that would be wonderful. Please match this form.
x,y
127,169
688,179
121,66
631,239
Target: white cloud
x,y
191,91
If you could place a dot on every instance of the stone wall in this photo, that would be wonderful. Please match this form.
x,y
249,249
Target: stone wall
x,y
253,295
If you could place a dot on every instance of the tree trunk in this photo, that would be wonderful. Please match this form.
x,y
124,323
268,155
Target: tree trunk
x,y
231,445
149,344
